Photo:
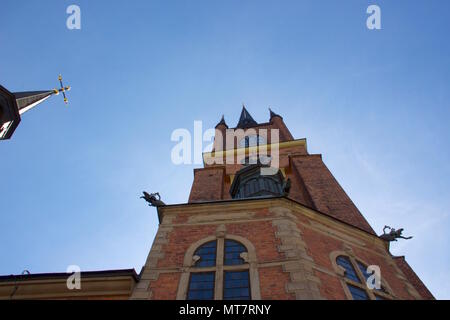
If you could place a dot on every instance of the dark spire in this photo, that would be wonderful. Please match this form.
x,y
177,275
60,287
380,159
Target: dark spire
x,y
222,122
12,105
246,119
15,104
273,114
27,100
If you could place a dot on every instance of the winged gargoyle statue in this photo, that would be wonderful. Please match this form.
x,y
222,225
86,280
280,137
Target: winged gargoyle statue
x,y
152,199
393,234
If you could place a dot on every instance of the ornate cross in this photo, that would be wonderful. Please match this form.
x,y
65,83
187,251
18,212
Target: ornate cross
x,y
62,89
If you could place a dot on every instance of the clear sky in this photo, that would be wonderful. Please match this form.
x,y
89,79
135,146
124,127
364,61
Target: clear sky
x,y
375,103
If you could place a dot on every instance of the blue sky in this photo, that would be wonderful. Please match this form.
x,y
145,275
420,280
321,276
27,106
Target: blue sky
x,y
374,103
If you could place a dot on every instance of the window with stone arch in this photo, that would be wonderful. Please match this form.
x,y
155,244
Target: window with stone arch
x,y
220,268
353,273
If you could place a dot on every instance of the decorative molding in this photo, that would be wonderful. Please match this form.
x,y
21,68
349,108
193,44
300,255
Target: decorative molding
x,y
221,231
244,256
110,287
250,206
194,260
304,284
207,156
220,217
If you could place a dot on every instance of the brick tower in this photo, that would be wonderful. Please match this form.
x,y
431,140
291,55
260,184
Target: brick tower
x,y
290,234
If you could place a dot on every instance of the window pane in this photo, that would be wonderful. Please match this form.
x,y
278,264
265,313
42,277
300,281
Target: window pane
x,y
233,251
207,254
350,272
357,293
236,285
201,286
363,269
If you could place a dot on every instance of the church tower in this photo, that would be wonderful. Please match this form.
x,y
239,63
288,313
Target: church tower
x,y
267,220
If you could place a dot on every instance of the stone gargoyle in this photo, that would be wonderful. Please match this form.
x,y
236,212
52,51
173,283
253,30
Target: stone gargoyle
x,y
393,234
153,199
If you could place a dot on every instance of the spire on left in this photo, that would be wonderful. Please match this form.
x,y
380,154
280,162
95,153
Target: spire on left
x,y
13,105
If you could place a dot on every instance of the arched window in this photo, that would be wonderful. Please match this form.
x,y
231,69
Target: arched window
x,y
355,276
249,183
220,269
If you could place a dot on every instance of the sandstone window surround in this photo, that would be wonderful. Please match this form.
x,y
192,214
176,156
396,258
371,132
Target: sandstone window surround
x,y
220,269
352,274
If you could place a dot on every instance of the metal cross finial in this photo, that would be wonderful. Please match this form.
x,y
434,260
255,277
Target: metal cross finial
x,y
62,89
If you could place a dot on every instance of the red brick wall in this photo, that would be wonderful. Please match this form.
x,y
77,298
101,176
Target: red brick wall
x,y
165,287
263,235
320,246
312,183
314,186
273,282
326,193
208,184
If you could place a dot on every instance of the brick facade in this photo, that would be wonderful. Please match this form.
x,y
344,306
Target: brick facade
x,y
294,239
293,245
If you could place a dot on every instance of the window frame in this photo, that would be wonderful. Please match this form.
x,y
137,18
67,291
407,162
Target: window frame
x,y
249,282
250,265
190,278
387,294
272,185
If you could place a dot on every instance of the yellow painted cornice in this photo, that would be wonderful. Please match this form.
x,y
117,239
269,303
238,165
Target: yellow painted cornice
x,y
253,150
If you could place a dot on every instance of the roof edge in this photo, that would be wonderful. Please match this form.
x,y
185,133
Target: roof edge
x,y
64,275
